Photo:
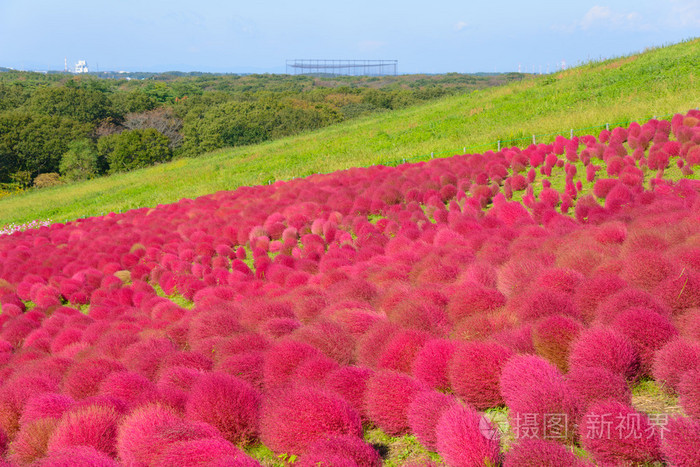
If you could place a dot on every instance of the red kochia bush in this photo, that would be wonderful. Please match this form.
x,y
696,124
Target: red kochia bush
x,y
689,392
387,398
424,412
84,377
616,434
647,330
342,450
147,431
590,385
540,302
90,425
31,441
76,456
293,418
474,371
552,338
673,360
401,350
540,453
282,359
350,382
46,405
195,452
680,443
226,402
245,365
606,348
431,363
465,438
535,392
472,299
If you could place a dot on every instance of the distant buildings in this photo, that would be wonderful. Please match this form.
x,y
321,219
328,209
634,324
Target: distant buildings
x,y
81,67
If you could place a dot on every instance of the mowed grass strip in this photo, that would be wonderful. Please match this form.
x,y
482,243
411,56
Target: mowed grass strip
x,y
637,87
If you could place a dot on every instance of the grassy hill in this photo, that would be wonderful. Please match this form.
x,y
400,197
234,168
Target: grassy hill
x,y
637,87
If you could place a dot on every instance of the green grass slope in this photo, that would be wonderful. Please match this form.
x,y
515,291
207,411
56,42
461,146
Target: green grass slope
x,y
657,82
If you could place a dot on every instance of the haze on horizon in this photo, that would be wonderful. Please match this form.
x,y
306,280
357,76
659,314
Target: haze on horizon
x,y
442,36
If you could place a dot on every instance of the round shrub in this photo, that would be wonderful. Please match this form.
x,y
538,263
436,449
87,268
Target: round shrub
x,y
680,441
83,378
540,453
91,425
330,338
401,350
387,398
76,456
194,452
145,356
605,348
148,430
539,401
281,360
471,299
293,418
370,345
245,365
46,405
313,371
343,450
625,299
474,371
647,330
673,360
226,402
593,290
552,338
31,442
539,303
131,388
689,392
465,438
350,382
616,434
423,415
590,385
431,363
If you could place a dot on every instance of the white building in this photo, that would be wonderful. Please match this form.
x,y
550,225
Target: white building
x,y
81,67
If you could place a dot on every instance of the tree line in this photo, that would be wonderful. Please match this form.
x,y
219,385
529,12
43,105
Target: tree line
x,y
57,128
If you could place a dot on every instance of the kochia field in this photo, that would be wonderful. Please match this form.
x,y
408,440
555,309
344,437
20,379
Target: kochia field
x,y
547,281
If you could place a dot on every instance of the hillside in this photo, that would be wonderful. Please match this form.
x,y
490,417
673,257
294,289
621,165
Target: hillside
x,y
658,82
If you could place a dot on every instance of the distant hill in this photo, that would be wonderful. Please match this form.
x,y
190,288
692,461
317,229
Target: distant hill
x,y
637,87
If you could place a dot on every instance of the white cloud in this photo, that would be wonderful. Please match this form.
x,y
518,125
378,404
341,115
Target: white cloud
x,y
460,25
604,17
685,13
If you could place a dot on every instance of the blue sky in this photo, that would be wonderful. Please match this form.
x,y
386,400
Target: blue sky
x,y
437,36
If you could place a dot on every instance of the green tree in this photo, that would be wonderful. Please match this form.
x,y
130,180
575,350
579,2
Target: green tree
x,y
80,162
133,149
35,143
83,105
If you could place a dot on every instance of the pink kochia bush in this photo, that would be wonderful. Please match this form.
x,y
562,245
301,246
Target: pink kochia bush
x,y
230,404
291,419
681,441
541,404
540,453
387,398
340,450
616,434
474,372
424,412
606,348
465,438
